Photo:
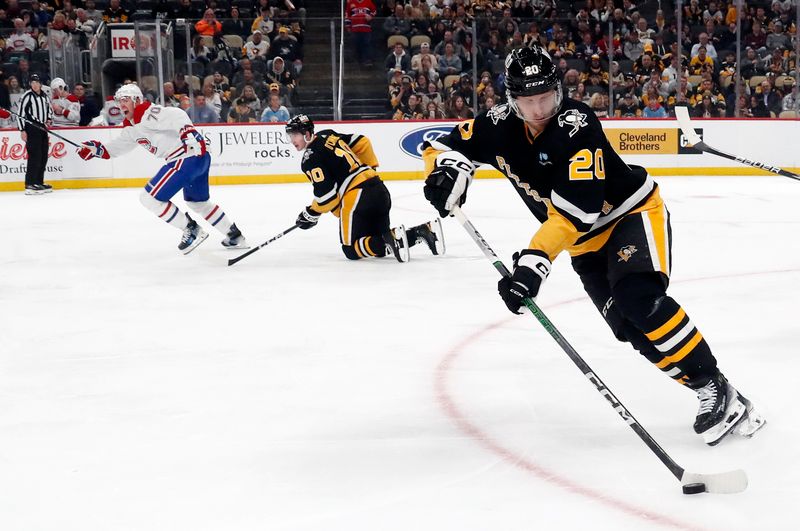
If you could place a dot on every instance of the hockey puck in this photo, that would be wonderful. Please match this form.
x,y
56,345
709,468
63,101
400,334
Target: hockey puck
x,y
694,488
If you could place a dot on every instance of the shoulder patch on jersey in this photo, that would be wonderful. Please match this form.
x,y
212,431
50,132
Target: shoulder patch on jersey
x,y
499,112
139,111
307,154
572,118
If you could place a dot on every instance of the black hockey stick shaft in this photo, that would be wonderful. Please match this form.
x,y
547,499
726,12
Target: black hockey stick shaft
x,y
43,128
587,371
702,146
254,249
685,123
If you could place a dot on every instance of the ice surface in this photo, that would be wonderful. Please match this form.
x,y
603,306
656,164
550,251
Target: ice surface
x,y
144,390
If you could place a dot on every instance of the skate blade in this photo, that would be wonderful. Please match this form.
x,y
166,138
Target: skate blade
x,y
201,237
238,247
714,435
35,192
752,422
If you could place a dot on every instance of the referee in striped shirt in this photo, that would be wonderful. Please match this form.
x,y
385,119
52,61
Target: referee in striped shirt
x,y
35,107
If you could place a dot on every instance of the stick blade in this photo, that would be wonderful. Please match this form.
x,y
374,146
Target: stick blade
x,y
722,483
685,123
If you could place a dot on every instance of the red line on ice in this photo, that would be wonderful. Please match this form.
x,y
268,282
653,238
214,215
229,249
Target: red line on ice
x,y
463,422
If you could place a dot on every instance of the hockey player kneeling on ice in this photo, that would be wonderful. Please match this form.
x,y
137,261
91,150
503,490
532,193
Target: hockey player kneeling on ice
x,y
608,215
168,133
341,168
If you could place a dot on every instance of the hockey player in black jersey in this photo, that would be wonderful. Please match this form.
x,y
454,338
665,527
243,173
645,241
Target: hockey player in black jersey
x,y
341,168
607,215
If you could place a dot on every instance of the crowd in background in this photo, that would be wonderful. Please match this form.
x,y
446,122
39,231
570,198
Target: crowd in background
x,y
246,55
645,67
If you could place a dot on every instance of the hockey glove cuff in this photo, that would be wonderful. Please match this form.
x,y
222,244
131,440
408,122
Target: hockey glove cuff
x,y
446,186
92,149
307,219
531,268
193,142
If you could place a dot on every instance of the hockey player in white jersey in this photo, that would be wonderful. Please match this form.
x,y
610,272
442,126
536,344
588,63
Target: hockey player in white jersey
x,y
66,107
168,133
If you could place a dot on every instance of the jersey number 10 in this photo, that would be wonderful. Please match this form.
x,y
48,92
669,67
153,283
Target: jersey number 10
x,y
580,165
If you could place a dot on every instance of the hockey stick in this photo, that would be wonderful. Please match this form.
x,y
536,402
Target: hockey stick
x,y
254,249
685,123
5,113
721,483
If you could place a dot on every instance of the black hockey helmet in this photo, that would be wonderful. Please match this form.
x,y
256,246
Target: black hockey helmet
x,y
300,123
530,71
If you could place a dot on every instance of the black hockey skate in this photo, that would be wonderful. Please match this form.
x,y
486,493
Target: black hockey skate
x,y
431,233
193,235
35,189
234,239
397,243
753,420
46,187
721,410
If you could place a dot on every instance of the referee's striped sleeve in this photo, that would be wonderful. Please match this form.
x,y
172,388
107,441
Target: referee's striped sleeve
x,y
23,103
34,108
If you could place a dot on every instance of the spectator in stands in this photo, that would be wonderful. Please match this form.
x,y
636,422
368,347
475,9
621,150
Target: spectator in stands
x,y
257,47
201,113
620,24
249,95
397,24
700,62
241,113
209,25
494,49
433,112
426,67
187,10
400,91
279,74
449,63
705,108
358,20
180,85
449,37
756,39
274,111
84,23
286,47
654,109
646,34
587,47
88,104
200,52
432,95
791,102
398,58
5,22
424,51
579,94
15,92
457,109
40,16
704,42
464,89
170,100
770,98
778,38
235,25
633,48
20,40
752,65
628,107
213,100
115,13
24,73
412,110
777,64
596,103
643,68
713,14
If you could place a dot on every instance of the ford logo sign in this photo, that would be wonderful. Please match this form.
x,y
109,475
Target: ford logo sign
x,y
412,141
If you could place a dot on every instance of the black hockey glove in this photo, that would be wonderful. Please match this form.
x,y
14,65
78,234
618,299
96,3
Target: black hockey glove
x,y
307,219
439,187
446,186
531,267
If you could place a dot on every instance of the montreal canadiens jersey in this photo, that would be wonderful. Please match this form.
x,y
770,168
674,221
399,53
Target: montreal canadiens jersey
x,y
568,175
336,163
70,110
157,129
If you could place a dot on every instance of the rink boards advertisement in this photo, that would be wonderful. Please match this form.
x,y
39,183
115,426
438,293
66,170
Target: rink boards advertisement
x,y
261,153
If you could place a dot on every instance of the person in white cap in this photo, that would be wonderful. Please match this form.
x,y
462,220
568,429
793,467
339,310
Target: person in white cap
x,y
168,133
258,47
66,107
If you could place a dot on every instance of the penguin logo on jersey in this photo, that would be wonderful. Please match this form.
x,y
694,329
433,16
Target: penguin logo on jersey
x,y
626,252
572,118
307,154
499,112
544,159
